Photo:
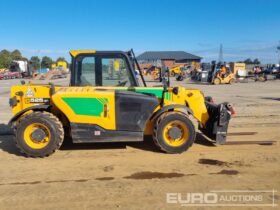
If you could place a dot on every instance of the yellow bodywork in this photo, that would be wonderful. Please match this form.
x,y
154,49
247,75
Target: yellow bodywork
x,y
62,64
28,92
65,98
226,79
237,67
53,65
107,122
176,70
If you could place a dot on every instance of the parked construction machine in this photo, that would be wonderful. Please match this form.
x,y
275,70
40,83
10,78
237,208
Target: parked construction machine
x,y
222,74
176,70
105,103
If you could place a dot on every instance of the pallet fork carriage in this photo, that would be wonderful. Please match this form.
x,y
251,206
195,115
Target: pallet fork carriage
x,y
106,103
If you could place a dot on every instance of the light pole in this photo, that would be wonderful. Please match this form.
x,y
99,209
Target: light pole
x,y
39,53
278,50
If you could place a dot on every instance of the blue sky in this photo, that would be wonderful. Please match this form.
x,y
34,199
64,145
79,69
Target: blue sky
x,y
246,28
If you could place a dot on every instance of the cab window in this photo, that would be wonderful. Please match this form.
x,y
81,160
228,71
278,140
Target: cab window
x,y
115,72
102,70
86,71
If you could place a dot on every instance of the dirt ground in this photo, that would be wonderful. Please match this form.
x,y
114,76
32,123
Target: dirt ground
x,y
137,175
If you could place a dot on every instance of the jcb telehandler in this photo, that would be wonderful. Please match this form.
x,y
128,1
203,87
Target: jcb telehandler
x,y
105,103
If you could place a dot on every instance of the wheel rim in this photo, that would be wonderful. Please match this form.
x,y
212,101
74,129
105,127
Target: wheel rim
x,y
44,136
181,138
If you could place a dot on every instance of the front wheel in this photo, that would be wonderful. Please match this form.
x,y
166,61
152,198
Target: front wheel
x,y
39,134
217,81
174,133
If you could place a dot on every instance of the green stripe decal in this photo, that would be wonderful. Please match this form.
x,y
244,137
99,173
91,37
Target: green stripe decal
x,y
86,106
167,96
155,91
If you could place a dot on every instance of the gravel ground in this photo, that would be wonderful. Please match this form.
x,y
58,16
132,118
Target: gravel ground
x,y
137,175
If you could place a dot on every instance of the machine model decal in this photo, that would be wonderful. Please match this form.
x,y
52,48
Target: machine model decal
x,y
37,100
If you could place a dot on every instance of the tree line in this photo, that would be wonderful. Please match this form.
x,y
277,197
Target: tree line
x,y
7,57
249,61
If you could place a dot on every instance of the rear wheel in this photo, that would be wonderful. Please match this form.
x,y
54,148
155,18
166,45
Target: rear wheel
x,y
39,134
174,133
217,81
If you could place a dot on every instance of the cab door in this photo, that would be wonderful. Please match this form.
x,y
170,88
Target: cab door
x,y
86,105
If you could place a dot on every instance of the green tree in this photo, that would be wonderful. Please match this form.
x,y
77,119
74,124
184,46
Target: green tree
x,y
24,59
61,59
46,62
35,62
5,52
248,61
16,55
256,61
5,59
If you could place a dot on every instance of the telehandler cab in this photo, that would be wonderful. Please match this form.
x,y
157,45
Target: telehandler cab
x,y
105,103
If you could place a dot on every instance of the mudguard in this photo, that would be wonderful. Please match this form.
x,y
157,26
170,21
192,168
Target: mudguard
x,y
34,108
186,110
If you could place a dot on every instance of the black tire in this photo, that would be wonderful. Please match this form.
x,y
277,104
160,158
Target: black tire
x,y
179,77
217,81
158,135
231,81
46,119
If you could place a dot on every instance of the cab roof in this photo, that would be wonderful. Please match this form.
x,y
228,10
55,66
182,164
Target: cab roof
x,y
74,53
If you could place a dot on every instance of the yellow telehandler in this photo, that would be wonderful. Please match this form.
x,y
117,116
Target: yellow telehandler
x,y
105,103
